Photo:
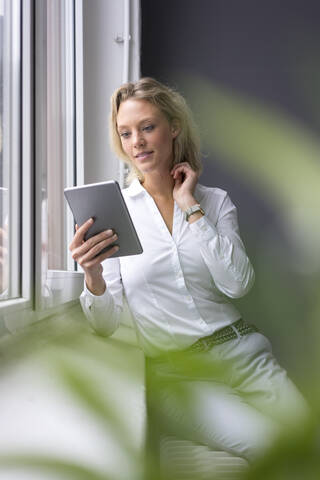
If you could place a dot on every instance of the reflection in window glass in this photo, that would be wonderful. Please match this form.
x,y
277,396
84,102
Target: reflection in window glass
x,y
9,148
55,149
3,189
60,127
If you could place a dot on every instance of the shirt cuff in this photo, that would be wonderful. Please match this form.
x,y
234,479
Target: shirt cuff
x,y
203,228
96,300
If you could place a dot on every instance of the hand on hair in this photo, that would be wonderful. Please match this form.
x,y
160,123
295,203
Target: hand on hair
x,y
185,182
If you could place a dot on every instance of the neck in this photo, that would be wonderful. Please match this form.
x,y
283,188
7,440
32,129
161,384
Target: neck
x,y
159,185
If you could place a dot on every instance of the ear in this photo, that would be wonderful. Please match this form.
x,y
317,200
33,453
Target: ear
x,y
175,128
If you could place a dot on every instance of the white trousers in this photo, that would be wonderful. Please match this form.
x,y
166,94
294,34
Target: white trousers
x,y
240,404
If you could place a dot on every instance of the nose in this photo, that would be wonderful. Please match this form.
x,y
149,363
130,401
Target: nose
x,y
138,139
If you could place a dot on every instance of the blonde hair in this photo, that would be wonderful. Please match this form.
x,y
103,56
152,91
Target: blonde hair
x,y
186,146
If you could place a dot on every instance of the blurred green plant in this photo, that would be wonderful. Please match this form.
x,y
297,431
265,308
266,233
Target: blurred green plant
x,y
83,361
270,151
278,159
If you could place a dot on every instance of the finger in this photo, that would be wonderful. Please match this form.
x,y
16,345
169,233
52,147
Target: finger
x,y
177,181
182,170
181,164
100,258
93,246
80,233
85,226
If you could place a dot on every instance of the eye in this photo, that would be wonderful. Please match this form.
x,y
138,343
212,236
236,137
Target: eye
x,y
148,128
124,134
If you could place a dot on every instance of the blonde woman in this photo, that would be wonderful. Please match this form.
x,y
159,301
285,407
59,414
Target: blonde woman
x,y
179,289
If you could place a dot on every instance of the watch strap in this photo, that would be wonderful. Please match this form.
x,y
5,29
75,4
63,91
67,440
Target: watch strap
x,y
194,209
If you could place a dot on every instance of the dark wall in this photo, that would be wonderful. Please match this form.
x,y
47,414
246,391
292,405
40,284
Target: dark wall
x,y
267,52
267,48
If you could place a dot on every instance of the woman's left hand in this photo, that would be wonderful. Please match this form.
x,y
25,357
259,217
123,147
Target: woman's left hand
x,y
185,180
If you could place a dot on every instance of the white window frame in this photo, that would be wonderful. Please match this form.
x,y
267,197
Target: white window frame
x,y
20,297
53,287
32,304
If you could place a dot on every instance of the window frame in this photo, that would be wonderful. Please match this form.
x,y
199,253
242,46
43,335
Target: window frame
x,y
63,286
29,175
31,305
12,146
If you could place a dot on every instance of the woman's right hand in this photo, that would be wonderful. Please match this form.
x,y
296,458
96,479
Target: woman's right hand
x,y
87,254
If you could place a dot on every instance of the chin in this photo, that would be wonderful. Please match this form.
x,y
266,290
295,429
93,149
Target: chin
x,y
146,168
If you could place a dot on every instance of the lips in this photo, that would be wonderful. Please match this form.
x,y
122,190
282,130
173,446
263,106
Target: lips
x,y
142,155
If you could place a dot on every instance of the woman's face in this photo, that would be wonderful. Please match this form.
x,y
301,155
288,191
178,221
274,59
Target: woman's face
x,y
146,136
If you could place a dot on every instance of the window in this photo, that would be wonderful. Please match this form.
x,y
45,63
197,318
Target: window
x,y
10,120
55,59
55,151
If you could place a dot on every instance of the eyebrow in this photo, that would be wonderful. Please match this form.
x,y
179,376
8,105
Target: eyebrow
x,y
147,119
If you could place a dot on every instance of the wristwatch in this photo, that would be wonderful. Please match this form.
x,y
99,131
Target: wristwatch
x,y
191,210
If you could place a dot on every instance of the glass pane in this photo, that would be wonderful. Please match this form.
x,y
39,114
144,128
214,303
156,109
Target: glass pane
x,y
10,72
4,212
55,144
55,151
60,127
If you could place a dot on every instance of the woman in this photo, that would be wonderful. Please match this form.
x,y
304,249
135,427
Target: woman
x,y
178,290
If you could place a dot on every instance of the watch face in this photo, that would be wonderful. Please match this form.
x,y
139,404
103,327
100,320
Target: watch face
x,y
193,209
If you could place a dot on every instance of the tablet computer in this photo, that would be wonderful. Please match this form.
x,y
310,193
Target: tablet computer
x,y
104,202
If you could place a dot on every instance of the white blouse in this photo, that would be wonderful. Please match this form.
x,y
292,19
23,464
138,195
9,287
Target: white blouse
x,y
178,288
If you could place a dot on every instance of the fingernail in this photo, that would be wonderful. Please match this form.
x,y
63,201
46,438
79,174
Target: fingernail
x,y
109,232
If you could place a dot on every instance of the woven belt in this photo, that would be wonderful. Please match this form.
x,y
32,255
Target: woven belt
x,y
236,329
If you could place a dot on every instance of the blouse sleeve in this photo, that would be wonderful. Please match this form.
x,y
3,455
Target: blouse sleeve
x,y
223,251
104,311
